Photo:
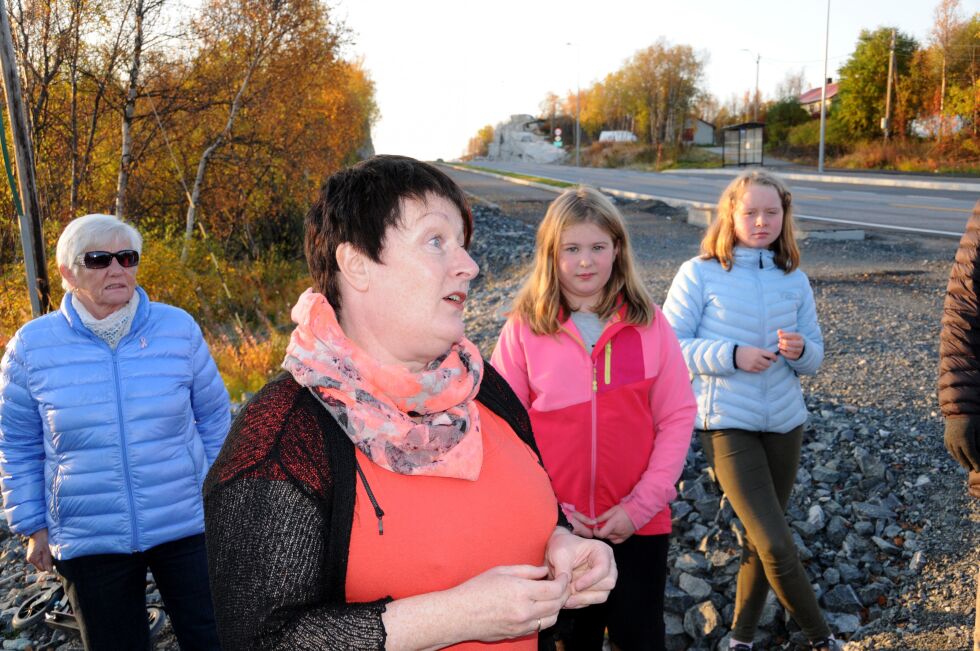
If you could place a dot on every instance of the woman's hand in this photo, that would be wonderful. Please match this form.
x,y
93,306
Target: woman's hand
x,y
616,525
590,564
582,525
38,552
790,344
509,601
753,360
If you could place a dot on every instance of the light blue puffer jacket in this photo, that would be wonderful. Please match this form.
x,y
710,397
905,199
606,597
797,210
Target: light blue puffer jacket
x,y
108,449
713,310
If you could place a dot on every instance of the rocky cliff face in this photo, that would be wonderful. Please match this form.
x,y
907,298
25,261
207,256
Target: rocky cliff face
x,y
521,139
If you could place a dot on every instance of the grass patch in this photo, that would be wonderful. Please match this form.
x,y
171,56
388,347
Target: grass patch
x,y
692,158
957,156
647,158
514,175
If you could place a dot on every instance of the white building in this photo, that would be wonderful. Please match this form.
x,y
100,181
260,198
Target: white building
x,y
617,136
698,132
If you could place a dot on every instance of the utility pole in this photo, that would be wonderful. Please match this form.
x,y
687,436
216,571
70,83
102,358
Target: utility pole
x,y
578,128
30,218
886,122
578,100
823,91
755,98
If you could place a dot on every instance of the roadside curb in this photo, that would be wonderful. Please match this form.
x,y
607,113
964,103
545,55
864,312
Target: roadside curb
x,y
918,184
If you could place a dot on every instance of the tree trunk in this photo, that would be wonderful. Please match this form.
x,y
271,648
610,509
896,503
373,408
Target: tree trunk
x,y
73,72
206,156
126,156
942,101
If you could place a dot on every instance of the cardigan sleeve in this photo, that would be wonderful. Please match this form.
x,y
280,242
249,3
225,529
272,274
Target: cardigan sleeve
x,y
673,409
684,309
266,559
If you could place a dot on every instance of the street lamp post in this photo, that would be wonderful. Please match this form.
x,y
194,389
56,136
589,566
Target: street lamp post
x,y
823,91
755,98
578,104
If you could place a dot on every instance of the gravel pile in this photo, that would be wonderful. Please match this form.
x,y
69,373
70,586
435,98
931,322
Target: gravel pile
x,y
880,513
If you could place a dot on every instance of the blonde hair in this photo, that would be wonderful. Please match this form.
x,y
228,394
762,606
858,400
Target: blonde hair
x,y
541,303
719,239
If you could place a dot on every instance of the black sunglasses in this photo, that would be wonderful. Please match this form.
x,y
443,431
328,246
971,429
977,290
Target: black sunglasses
x,y
102,259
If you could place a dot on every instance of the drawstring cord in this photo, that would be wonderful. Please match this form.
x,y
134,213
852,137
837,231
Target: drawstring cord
x,y
378,512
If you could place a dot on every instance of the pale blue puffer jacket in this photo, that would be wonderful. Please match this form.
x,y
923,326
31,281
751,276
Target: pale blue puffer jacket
x,y
713,310
109,449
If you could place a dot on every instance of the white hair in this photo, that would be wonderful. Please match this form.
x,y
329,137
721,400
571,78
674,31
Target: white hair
x,y
85,233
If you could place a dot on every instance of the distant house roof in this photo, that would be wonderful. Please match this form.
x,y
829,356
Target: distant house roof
x,y
697,119
744,125
813,95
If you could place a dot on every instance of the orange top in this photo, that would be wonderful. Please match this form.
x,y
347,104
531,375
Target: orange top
x,y
440,532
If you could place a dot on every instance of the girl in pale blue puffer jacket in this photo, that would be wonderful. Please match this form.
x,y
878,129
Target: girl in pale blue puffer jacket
x,y
111,413
745,317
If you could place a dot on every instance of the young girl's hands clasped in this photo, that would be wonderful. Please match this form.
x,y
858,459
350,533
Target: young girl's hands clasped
x,y
614,525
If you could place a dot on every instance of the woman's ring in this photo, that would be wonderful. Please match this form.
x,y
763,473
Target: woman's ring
x,y
539,626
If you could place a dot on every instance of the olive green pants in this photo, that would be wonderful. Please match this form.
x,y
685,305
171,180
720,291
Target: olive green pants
x,y
757,470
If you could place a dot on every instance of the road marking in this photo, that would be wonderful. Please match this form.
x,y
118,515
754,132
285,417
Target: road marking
x,y
922,197
885,227
670,181
921,207
817,197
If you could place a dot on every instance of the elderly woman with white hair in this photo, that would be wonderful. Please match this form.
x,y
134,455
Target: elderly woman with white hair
x,y
111,413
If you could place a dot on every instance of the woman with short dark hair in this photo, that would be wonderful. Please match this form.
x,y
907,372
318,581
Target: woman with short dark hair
x,y
385,491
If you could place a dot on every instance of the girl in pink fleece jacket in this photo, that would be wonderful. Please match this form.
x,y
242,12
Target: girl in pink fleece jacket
x,y
601,373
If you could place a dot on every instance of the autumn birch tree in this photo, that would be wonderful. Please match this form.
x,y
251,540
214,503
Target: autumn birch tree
x,y
261,30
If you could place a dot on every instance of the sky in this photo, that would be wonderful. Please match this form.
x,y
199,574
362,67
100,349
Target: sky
x,y
444,68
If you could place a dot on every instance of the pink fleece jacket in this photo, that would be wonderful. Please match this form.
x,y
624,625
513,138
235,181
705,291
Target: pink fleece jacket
x,y
613,427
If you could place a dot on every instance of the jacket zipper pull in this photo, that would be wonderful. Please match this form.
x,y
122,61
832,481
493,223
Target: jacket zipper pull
x,y
760,260
595,383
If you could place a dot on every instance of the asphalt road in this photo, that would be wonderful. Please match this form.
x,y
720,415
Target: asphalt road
x,y
934,212
494,189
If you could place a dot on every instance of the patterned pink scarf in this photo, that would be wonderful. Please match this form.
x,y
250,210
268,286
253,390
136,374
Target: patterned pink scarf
x,y
411,423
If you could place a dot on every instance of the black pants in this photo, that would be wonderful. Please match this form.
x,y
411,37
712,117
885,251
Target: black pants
x,y
108,594
634,612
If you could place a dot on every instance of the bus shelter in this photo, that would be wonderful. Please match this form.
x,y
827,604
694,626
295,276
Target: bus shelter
x,y
742,144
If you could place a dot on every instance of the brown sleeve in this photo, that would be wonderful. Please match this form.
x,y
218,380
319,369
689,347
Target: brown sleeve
x,y
959,340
